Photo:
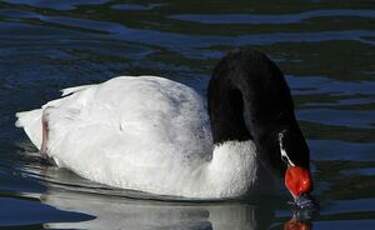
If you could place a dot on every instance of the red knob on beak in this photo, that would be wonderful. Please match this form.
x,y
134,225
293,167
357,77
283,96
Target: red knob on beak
x,y
298,180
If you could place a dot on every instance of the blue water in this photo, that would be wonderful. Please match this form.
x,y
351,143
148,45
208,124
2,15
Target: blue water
x,y
326,49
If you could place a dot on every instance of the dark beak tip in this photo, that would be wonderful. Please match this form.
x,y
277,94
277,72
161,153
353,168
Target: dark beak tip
x,y
305,207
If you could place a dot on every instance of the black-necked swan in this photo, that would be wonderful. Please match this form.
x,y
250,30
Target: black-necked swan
x,y
155,135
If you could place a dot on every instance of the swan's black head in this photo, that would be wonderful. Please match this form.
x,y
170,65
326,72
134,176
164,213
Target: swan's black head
x,y
249,99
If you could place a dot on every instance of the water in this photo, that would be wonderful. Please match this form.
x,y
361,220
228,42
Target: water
x,y
325,48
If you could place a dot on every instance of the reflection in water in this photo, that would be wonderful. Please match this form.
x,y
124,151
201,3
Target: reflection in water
x,y
115,213
295,224
25,212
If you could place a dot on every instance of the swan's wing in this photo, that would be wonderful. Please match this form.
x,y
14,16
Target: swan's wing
x,y
129,132
127,118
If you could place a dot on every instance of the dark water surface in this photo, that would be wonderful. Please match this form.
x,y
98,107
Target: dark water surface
x,y
326,48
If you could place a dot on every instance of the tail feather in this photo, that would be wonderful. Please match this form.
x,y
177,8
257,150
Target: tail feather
x,y
31,122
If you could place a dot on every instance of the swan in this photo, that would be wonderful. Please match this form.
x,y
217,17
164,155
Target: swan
x,y
158,136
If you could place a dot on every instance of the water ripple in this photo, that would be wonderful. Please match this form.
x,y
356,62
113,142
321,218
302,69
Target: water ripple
x,y
356,119
272,19
187,44
57,5
319,84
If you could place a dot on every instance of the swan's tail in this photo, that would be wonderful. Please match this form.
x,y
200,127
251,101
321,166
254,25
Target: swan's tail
x,y
31,122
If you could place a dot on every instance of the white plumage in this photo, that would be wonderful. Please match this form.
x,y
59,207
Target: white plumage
x,y
145,133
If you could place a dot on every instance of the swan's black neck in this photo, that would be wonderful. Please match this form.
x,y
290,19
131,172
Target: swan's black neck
x,y
249,99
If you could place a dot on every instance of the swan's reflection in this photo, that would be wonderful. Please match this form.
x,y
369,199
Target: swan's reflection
x,y
296,224
120,213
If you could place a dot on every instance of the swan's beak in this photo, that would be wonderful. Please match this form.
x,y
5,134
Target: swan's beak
x,y
298,181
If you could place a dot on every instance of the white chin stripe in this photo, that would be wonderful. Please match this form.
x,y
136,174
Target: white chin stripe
x,y
282,150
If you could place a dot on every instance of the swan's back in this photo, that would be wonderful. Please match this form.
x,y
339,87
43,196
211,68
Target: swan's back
x,y
125,127
151,114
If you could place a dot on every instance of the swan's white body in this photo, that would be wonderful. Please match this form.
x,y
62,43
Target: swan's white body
x,y
145,133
